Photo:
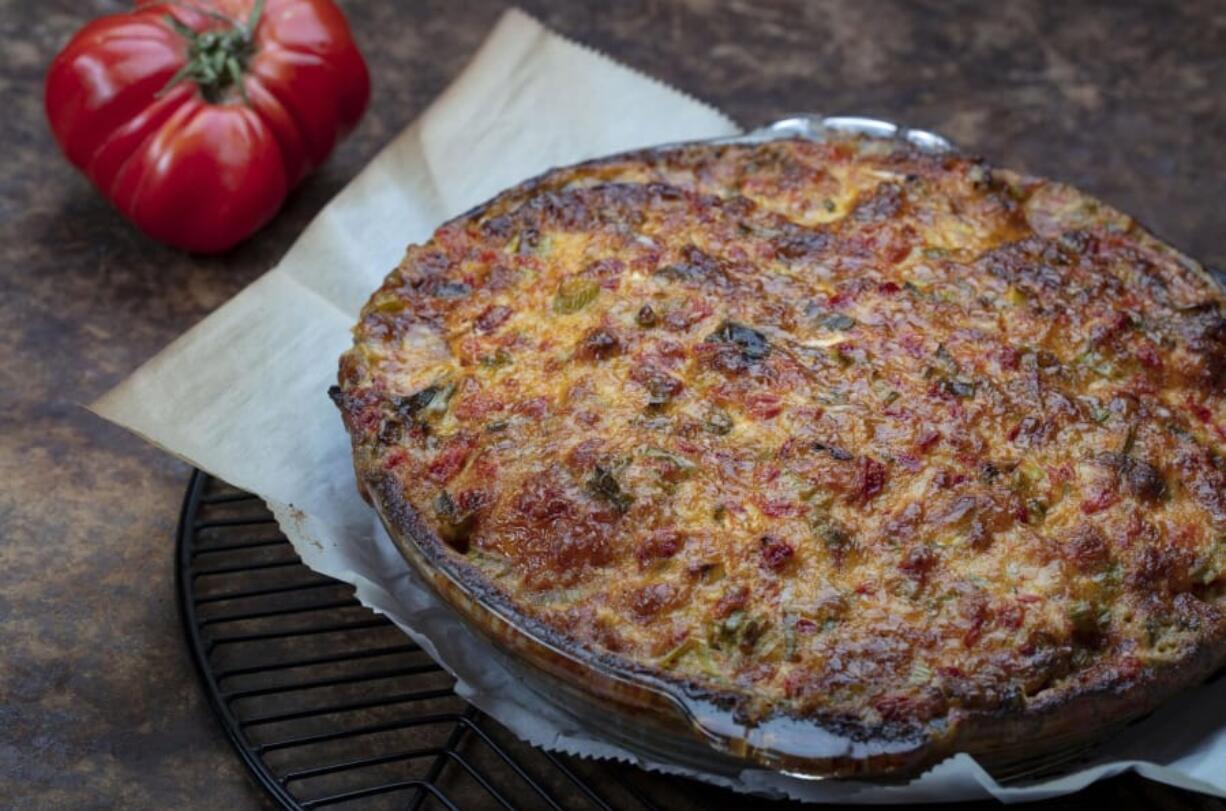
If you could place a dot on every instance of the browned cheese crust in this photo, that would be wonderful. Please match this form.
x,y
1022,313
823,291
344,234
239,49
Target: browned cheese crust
x,y
843,431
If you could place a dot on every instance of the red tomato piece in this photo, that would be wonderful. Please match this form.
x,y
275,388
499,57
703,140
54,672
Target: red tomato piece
x,y
196,156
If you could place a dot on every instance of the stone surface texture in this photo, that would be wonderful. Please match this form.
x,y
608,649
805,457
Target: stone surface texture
x,y
99,706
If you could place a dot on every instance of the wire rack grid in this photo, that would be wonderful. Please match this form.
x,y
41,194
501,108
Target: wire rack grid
x,y
330,705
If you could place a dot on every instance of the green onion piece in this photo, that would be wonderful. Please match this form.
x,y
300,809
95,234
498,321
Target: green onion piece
x,y
574,294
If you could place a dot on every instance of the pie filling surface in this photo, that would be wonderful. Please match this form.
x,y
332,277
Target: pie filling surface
x,y
840,430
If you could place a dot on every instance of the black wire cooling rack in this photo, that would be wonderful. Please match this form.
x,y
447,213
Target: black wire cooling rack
x,y
330,705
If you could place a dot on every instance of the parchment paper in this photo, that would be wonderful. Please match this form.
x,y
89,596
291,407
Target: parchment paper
x,y
242,395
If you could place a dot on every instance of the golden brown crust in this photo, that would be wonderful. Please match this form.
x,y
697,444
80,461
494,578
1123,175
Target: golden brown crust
x,y
922,453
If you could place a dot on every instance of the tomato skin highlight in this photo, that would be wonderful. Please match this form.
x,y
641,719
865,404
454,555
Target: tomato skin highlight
x,y
202,168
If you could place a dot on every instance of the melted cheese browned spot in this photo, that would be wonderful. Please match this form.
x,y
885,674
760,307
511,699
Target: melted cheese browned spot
x,y
835,427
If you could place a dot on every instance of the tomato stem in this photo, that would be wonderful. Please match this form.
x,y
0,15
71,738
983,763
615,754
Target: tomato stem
x,y
216,58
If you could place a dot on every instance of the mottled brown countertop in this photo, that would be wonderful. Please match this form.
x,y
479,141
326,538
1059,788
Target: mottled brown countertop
x,y
99,706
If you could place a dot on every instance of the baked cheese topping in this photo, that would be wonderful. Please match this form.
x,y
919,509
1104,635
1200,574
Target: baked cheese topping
x,y
834,427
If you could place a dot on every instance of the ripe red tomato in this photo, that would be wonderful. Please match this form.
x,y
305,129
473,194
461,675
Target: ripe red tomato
x,y
196,119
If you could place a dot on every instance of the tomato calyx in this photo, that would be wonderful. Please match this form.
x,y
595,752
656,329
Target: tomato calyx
x,y
217,58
